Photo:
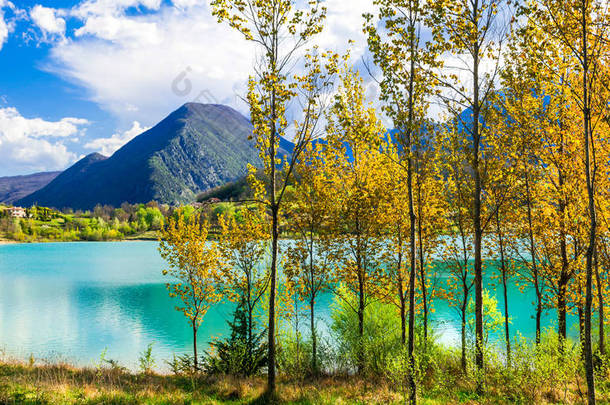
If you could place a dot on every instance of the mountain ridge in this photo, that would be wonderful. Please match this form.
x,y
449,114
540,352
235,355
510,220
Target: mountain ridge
x,y
195,148
13,188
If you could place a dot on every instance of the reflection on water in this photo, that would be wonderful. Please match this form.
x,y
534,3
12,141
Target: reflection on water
x,y
70,301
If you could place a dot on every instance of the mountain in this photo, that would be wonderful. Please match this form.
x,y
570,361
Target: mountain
x,y
15,187
67,185
195,148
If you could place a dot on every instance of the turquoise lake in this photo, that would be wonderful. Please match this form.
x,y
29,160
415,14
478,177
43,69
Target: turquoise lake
x,y
71,301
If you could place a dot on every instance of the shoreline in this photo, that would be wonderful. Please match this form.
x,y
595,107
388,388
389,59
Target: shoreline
x,y
16,242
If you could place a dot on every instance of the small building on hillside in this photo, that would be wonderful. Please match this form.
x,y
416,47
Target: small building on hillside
x,y
16,212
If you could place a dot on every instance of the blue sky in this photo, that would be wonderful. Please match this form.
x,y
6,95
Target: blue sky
x,y
87,76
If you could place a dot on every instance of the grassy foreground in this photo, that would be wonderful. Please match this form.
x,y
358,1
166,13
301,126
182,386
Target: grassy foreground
x,y
63,384
21,383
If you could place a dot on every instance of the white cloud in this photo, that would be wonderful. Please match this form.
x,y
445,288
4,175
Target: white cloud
x,y
3,29
6,27
343,23
48,20
34,144
107,146
187,3
123,31
141,66
90,8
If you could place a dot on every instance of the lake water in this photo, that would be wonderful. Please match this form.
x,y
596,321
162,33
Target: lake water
x,y
71,301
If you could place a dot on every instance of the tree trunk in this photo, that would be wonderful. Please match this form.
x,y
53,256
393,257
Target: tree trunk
x,y
271,337
401,294
561,317
504,286
592,215
422,269
403,312
250,343
274,237
538,316
314,341
463,313
581,328
561,298
412,218
250,322
361,328
478,232
564,276
195,365
478,263
296,330
533,254
412,270
600,299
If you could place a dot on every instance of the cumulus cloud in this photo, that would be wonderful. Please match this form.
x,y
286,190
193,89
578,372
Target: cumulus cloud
x,y
90,8
186,3
7,25
127,32
141,66
107,146
343,23
3,29
34,144
49,21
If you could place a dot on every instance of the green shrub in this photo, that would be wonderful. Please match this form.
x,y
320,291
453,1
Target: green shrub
x,y
493,320
381,338
241,353
182,364
150,218
146,360
125,229
111,234
294,354
538,372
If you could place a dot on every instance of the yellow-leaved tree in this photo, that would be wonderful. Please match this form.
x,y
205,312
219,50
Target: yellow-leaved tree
x,y
243,245
578,30
310,255
353,169
279,29
430,210
396,223
525,119
469,34
194,264
397,48
456,252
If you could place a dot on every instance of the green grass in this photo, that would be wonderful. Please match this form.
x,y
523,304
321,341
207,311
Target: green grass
x,y
63,384
148,235
22,383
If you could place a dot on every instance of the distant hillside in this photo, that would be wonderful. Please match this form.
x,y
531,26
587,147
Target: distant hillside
x,y
232,191
194,149
16,187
